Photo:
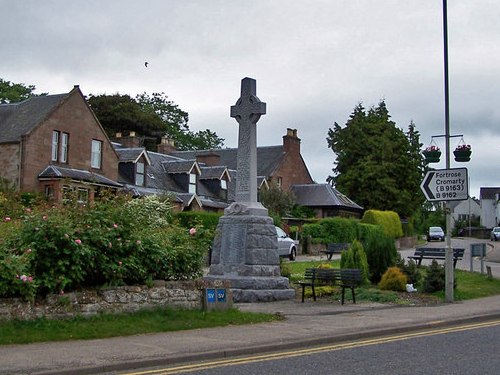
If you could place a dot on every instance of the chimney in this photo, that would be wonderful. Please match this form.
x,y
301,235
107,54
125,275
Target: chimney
x,y
166,146
212,159
291,143
130,141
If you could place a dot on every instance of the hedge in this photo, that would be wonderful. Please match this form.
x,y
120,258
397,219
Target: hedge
x,y
388,220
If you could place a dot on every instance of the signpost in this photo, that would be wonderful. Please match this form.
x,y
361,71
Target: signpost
x,y
446,185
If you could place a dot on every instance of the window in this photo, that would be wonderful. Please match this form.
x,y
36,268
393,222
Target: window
x,y
82,195
139,174
49,192
63,154
223,189
60,142
192,183
95,161
55,145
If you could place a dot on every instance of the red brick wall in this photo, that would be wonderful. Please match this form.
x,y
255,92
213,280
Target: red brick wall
x,y
292,169
9,160
73,117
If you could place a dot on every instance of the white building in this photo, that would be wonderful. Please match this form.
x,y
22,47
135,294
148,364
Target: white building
x,y
490,209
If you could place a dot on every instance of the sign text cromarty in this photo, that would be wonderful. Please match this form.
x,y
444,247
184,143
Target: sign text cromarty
x,y
446,185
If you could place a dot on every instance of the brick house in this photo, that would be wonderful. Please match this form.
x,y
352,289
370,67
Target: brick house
x,y
54,144
282,164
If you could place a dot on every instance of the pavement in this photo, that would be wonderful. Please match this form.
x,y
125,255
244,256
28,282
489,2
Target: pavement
x,y
304,324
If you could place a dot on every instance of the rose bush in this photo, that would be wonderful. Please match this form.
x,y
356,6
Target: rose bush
x,y
113,241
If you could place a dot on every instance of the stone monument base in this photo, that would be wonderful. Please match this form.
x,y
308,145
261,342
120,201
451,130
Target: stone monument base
x,y
245,253
257,289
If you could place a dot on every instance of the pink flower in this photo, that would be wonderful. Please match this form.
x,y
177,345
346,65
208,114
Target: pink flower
x,y
138,242
30,279
61,292
115,225
44,217
192,231
120,263
24,278
28,251
110,245
78,241
7,218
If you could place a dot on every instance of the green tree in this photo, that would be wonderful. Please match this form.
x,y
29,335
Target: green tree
x,y
279,202
151,116
121,113
377,165
15,92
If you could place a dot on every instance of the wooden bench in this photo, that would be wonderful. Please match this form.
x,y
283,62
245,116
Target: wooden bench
x,y
335,248
347,278
435,253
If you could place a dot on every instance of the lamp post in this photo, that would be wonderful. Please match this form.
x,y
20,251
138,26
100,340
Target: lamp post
x,y
449,274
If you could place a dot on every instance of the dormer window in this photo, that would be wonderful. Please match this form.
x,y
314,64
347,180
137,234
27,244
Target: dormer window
x,y
139,173
192,183
223,189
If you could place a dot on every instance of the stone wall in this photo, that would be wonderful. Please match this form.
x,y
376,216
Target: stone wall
x,y
177,294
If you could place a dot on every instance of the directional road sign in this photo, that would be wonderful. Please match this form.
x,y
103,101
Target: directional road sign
x,y
446,185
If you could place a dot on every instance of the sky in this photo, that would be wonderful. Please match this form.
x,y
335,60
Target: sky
x,y
314,61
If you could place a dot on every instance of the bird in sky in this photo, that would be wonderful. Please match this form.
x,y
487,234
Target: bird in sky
x,y
146,64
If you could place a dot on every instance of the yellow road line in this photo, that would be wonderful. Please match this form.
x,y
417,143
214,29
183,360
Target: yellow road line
x,y
321,349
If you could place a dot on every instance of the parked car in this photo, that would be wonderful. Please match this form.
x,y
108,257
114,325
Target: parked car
x,y
495,234
435,233
286,246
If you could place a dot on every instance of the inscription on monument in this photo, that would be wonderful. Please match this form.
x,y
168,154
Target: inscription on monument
x,y
234,243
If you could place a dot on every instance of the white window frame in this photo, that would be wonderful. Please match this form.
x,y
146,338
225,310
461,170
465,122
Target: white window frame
x,y
55,145
82,195
96,155
63,154
140,173
192,183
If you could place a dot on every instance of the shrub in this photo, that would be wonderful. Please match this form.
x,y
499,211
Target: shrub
x,y
355,257
435,278
331,230
380,252
112,241
410,269
393,279
388,220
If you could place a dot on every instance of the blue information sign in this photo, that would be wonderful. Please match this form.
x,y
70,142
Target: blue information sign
x,y
211,295
221,295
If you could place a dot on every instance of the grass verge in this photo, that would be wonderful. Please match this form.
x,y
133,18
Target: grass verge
x,y
111,325
470,285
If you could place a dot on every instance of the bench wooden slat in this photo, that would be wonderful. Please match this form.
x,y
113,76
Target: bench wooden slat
x,y
335,248
436,253
345,278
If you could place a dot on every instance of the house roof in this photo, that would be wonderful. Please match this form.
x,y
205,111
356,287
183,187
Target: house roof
x,y
53,171
179,166
268,157
212,173
21,118
322,195
488,192
132,154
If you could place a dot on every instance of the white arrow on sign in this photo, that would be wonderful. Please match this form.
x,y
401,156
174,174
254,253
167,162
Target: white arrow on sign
x,y
446,185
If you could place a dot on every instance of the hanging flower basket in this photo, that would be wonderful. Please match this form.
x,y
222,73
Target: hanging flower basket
x,y
462,153
432,154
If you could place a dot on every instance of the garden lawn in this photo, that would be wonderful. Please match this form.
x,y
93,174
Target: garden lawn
x,y
109,325
470,285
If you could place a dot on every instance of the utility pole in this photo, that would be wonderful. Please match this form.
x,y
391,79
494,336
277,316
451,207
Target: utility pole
x,y
449,274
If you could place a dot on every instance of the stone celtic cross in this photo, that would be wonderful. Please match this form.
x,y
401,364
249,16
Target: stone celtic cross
x,y
247,112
